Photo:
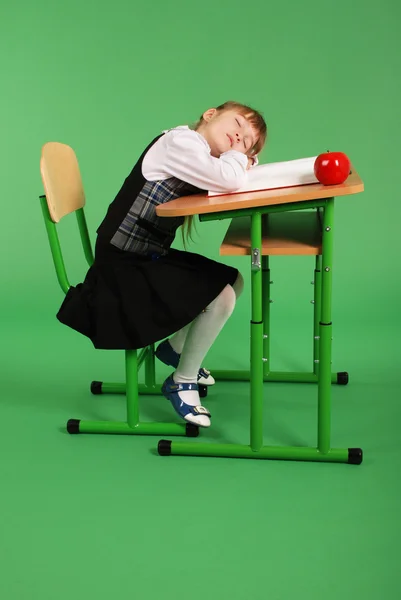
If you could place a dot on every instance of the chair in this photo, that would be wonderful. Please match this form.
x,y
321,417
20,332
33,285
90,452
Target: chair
x,y
64,194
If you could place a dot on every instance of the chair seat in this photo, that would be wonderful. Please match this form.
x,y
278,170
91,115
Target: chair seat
x,y
287,233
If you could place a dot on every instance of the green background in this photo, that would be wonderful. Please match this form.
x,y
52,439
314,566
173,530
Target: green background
x,y
101,517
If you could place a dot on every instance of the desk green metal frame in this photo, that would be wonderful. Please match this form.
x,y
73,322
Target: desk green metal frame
x,y
259,365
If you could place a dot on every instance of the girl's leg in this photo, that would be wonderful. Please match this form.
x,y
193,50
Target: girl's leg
x,y
177,340
202,333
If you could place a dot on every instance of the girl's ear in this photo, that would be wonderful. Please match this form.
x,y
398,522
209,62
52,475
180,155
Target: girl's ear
x,y
209,114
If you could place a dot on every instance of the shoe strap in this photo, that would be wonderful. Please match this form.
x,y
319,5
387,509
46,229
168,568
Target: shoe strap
x,y
182,387
203,373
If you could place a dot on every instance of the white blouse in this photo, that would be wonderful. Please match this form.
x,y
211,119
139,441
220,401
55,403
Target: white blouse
x,y
183,153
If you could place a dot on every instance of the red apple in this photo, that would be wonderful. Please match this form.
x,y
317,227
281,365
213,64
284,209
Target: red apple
x,y
332,168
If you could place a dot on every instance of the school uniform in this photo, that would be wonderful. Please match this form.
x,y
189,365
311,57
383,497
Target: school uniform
x,y
139,290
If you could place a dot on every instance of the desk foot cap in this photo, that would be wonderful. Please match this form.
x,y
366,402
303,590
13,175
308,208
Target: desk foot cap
x,y
202,391
355,456
342,378
96,387
191,430
164,448
73,426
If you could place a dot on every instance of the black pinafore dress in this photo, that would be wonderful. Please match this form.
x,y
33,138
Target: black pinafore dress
x,y
139,290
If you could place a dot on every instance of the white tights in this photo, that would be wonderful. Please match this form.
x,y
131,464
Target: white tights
x,y
195,339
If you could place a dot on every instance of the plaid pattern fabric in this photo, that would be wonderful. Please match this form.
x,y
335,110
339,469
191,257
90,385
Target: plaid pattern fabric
x,y
142,231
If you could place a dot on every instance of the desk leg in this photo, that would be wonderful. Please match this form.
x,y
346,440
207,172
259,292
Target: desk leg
x,y
317,297
266,314
325,332
256,335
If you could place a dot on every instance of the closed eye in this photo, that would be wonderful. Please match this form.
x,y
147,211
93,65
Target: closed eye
x,y
246,138
240,125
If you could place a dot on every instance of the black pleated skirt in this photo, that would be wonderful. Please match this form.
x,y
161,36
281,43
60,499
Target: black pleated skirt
x,y
129,301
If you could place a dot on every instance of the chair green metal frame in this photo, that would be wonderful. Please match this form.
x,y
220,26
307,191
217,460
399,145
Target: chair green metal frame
x,y
260,352
133,362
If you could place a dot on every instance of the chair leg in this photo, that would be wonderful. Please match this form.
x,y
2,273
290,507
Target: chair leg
x,y
132,390
150,386
131,379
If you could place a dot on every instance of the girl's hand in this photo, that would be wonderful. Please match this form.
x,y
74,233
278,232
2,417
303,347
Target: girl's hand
x,y
252,160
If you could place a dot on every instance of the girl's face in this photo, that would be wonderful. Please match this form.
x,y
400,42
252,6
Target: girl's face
x,y
227,130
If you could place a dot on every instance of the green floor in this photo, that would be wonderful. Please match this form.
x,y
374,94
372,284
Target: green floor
x,y
105,517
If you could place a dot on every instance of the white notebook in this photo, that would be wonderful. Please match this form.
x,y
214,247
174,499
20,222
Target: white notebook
x,y
278,175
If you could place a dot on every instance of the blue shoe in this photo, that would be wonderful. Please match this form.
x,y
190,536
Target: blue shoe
x,y
167,355
198,415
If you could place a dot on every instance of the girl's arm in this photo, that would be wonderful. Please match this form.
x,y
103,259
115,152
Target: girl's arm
x,y
185,154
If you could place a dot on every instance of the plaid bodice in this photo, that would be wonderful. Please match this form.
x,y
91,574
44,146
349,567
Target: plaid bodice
x,y
131,223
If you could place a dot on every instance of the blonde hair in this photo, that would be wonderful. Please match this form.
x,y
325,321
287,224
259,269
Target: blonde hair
x,y
256,119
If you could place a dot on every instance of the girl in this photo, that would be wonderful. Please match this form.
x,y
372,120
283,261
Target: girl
x,y
139,290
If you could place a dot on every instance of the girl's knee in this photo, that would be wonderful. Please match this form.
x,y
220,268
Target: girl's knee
x,y
238,285
225,301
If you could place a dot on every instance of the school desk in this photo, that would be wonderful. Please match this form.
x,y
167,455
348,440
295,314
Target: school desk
x,y
287,221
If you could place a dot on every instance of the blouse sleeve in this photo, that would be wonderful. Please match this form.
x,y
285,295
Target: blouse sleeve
x,y
184,154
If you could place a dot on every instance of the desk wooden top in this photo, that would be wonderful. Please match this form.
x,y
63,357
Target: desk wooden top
x,y
202,203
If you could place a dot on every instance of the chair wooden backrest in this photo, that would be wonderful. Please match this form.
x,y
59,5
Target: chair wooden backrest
x,y
64,194
61,180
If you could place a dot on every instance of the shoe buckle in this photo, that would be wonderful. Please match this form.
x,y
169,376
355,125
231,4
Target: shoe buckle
x,y
201,410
